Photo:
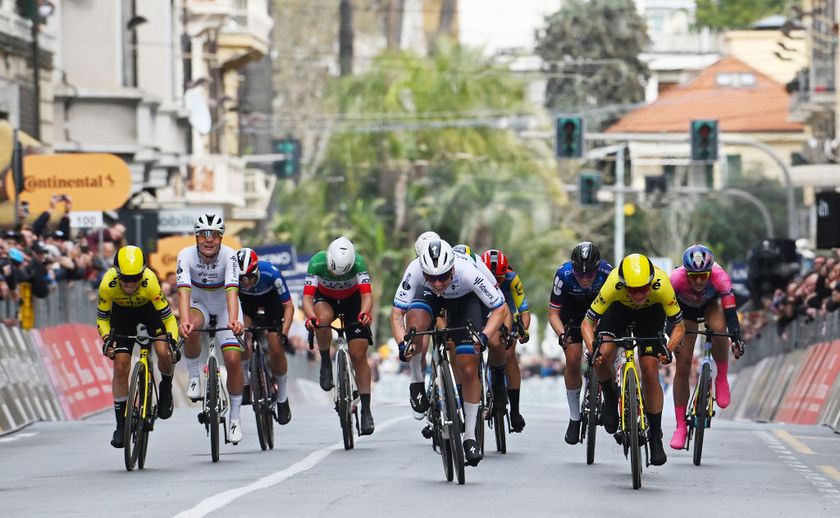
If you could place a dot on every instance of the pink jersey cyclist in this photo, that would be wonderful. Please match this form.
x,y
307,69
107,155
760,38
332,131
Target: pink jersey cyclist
x,y
718,286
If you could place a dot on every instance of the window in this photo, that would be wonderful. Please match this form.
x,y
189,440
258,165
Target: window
x,y
735,79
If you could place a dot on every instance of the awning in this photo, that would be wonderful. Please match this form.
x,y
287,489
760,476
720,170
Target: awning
x,y
7,143
815,175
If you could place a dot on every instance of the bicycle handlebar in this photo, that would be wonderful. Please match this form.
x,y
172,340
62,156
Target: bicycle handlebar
x,y
144,340
311,337
625,340
708,333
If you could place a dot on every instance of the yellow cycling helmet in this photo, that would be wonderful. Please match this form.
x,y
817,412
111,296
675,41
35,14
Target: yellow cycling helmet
x,y
130,262
635,271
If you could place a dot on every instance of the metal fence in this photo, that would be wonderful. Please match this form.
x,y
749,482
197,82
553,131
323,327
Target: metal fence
x,y
67,302
800,334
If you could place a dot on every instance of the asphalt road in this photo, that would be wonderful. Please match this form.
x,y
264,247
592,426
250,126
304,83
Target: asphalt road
x,y
749,469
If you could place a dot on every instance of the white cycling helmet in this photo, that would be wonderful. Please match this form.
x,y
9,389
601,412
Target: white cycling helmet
x,y
209,222
423,240
341,255
437,258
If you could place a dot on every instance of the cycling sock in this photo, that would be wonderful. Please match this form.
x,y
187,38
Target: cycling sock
x,y
166,383
574,404
235,405
192,366
497,374
608,388
513,397
281,387
680,411
655,425
722,369
119,410
246,368
470,415
325,356
416,366
365,402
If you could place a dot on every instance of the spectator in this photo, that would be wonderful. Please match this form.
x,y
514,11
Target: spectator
x,y
39,228
113,234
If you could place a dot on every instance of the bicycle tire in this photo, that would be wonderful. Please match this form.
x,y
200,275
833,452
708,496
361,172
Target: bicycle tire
x,y
701,411
344,410
444,448
268,414
257,397
213,406
482,408
632,410
132,428
591,417
148,423
499,427
454,425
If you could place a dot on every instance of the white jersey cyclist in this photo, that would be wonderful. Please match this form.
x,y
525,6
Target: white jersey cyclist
x,y
412,284
209,282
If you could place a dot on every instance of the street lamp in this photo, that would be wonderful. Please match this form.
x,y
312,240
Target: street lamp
x,y
36,11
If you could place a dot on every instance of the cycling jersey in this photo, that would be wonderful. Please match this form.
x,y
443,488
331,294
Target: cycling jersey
x,y
514,293
194,272
271,280
467,278
661,293
567,289
148,292
320,279
411,286
718,286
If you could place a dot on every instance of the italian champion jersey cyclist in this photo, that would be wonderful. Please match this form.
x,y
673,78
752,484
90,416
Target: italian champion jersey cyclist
x,y
208,284
337,282
637,293
576,284
261,285
129,294
703,289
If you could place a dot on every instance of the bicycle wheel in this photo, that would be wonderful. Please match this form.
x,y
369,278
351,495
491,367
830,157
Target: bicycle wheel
x,y
344,396
257,399
443,446
631,409
592,404
213,406
268,416
479,422
701,415
453,423
133,427
148,422
499,429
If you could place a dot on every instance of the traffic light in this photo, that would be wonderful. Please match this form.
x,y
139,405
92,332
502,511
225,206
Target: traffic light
x,y
704,139
569,136
590,182
289,167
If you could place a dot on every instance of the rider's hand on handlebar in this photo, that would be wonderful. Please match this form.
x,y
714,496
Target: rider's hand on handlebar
x,y
185,328
406,351
237,327
311,323
483,340
738,348
364,318
108,346
524,337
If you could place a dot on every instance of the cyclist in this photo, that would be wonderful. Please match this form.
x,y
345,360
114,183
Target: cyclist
x,y
208,284
337,282
576,284
130,294
703,289
261,285
514,292
454,283
635,292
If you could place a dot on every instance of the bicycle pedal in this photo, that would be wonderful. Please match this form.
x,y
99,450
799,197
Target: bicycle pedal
x,y
619,438
426,432
202,418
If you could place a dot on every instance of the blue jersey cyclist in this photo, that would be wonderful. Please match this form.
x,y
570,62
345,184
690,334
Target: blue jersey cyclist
x,y
576,284
262,286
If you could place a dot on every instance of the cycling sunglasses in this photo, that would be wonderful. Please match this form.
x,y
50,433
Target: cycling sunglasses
x,y
699,275
131,278
587,275
249,276
208,234
438,278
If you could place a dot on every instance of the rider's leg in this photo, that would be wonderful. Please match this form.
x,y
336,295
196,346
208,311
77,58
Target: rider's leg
x,y
419,318
684,357
119,387
325,315
653,398
166,369
720,352
471,386
279,363
232,354
514,378
573,383
358,355
192,346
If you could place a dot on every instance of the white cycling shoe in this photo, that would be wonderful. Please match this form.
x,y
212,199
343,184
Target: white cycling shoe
x,y
194,389
235,434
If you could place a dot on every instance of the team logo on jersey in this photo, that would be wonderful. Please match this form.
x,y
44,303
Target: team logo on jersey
x,y
558,286
406,286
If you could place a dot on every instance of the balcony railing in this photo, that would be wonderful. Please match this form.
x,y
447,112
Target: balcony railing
x,y
704,42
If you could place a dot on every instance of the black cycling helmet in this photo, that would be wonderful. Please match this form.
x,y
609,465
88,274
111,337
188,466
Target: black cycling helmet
x,y
585,257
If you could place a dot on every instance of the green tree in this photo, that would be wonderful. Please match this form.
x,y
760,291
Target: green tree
x,y
736,14
591,51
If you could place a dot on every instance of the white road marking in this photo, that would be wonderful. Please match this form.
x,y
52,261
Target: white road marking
x,y
217,501
818,481
17,436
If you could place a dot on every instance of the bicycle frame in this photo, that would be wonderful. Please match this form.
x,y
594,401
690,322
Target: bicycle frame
x,y
629,369
223,399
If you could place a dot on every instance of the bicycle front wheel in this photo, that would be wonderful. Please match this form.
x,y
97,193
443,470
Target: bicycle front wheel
x,y
148,422
631,409
453,422
133,427
592,404
701,415
499,429
257,399
213,406
268,415
344,399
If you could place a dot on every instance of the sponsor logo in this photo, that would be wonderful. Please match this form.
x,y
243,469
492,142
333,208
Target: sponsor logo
x,y
558,286
656,285
405,285
113,283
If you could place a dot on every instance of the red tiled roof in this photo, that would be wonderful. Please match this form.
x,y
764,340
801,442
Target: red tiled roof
x,y
760,108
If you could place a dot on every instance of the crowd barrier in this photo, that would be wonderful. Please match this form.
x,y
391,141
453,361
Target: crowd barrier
x,y
791,381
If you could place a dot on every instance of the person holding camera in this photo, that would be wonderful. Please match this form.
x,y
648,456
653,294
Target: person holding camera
x,y
41,222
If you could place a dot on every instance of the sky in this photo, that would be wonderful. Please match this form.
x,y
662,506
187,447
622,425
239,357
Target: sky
x,y
502,24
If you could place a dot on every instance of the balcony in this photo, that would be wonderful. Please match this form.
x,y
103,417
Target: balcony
x,y
705,42
217,180
246,34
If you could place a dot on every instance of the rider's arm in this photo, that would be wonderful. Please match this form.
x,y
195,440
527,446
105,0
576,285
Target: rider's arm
x,y
161,304
495,321
365,288
182,275
103,308
663,292
587,332
288,315
397,324
723,285
555,320
232,299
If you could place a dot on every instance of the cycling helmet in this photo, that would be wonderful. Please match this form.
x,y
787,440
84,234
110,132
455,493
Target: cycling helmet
x,y
585,257
635,271
130,262
423,240
209,222
698,258
496,262
247,260
341,255
437,258
463,249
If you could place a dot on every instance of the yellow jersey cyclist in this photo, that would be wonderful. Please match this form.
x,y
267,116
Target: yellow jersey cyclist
x,y
635,292
130,294
514,292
